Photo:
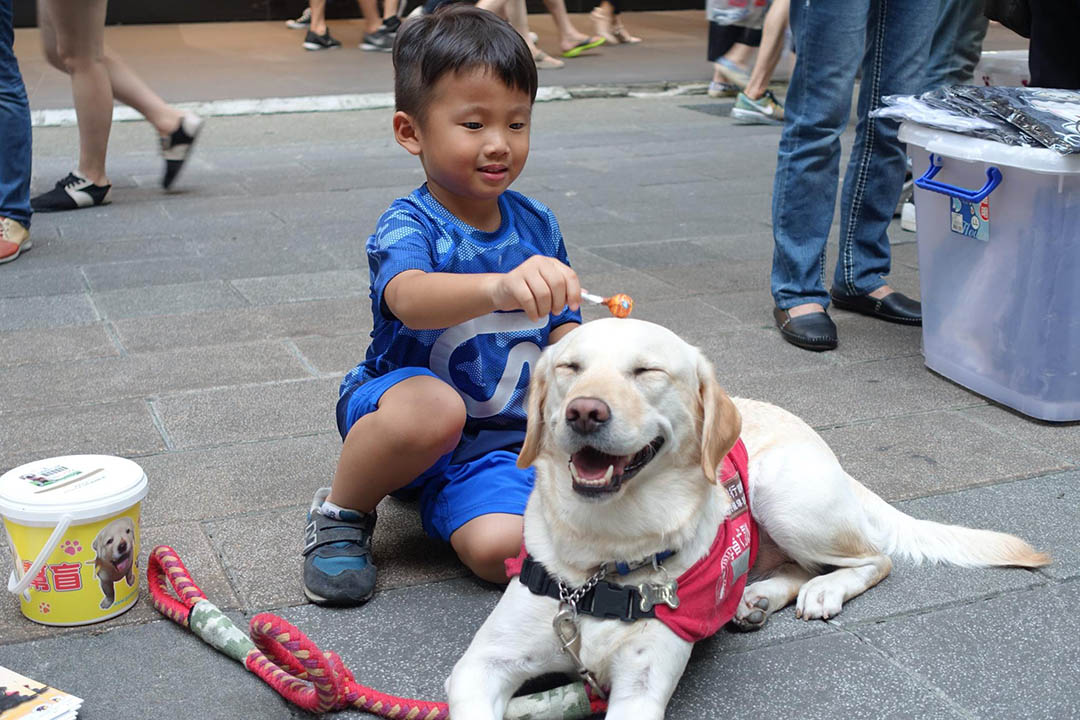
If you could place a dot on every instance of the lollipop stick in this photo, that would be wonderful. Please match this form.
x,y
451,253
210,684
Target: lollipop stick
x,y
589,297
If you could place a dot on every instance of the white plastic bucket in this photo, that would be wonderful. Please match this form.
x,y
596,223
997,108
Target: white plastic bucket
x,y
72,523
999,263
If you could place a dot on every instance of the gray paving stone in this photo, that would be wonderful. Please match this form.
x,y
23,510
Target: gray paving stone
x,y
1044,511
910,456
235,479
119,246
178,674
826,677
30,282
337,354
692,319
385,646
1060,439
301,319
82,382
300,287
22,347
233,261
253,412
746,359
116,428
167,299
46,311
857,391
186,538
1012,656
261,552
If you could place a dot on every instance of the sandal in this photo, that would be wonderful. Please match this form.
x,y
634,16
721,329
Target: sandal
x,y
586,44
546,62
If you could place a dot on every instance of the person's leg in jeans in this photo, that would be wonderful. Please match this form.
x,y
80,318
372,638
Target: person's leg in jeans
x,y
829,40
14,128
897,44
957,43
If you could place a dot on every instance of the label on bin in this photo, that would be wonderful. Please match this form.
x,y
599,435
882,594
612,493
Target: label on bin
x,y
969,219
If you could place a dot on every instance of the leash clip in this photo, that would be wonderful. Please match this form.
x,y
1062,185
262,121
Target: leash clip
x,y
569,634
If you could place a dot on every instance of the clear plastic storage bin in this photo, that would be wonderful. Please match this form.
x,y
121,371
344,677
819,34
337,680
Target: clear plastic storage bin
x,y
998,232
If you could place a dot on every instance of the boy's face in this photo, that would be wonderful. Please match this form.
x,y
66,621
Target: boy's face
x,y
473,141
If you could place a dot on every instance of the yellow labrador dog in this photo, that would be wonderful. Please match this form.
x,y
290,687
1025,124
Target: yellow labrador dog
x,y
628,430
115,560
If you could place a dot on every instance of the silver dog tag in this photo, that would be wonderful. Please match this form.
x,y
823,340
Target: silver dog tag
x,y
652,595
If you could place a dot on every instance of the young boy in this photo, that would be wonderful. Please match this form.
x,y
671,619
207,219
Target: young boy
x,y
469,282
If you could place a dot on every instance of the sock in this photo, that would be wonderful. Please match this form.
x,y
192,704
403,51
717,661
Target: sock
x,y
336,512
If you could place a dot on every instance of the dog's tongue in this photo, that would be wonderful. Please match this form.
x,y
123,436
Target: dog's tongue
x,y
123,565
592,464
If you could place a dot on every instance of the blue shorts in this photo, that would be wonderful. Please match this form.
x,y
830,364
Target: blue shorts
x,y
450,495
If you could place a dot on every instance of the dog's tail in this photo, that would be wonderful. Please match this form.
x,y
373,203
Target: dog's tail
x,y
898,534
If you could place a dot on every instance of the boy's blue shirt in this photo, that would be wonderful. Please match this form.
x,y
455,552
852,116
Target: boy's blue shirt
x,y
487,359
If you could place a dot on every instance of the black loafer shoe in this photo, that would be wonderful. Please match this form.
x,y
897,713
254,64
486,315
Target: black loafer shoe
x,y
815,331
894,307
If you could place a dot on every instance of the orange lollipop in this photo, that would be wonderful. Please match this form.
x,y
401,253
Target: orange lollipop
x,y
620,304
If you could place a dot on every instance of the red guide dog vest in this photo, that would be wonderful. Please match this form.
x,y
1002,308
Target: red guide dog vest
x,y
710,590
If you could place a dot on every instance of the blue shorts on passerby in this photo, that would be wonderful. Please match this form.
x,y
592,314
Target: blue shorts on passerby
x,y
450,495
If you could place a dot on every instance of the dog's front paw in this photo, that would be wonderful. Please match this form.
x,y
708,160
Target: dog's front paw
x,y
751,614
819,599
106,603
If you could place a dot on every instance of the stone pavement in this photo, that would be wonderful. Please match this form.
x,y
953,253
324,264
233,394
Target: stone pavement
x,y
203,333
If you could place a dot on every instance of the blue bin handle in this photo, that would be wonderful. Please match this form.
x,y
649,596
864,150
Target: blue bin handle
x,y
927,182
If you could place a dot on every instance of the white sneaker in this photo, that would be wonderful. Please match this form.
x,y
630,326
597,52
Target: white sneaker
x,y
907,217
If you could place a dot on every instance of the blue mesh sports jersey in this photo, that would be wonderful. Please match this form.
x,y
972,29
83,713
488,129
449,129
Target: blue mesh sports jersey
x,y
486,359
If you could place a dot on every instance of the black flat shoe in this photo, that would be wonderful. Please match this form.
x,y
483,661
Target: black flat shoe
x,y
815,331
894,307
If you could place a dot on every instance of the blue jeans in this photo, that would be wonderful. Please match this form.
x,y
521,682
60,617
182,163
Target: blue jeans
x,y
891,40
14,127
957,43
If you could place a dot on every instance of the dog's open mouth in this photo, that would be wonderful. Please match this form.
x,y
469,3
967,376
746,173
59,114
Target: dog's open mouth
x,y
597,473
123,562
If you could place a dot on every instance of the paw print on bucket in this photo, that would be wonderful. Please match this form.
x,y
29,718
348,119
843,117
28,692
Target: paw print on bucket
x,y
44,608
72,547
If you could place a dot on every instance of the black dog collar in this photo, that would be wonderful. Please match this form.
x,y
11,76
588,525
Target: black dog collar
x,y
605,600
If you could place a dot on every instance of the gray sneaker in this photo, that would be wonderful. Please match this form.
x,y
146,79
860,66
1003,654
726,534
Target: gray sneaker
x,y
337,556
382,40
766,110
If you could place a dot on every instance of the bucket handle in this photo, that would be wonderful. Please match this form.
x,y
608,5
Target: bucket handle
x,y
17,585
927,182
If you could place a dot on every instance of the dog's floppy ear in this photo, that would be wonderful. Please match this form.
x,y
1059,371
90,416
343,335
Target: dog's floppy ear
x,y
534,428
719,419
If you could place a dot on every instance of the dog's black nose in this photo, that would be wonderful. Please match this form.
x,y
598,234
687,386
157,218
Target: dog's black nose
x,y
586,414
122,547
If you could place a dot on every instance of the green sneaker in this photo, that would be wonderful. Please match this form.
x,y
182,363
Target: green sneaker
x,y
766,110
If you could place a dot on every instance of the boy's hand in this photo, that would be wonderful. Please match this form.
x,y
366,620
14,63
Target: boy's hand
x,y
540,286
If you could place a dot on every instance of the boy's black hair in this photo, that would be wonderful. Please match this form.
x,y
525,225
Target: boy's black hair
x,y
457,38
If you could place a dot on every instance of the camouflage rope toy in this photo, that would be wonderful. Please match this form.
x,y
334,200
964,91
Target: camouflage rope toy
x,y
306,676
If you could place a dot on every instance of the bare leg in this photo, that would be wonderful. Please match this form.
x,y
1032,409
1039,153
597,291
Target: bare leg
x,y
318,16
772,47
75,29
370,10
739,54
130,89
569,36
515,12
485,542
418,421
